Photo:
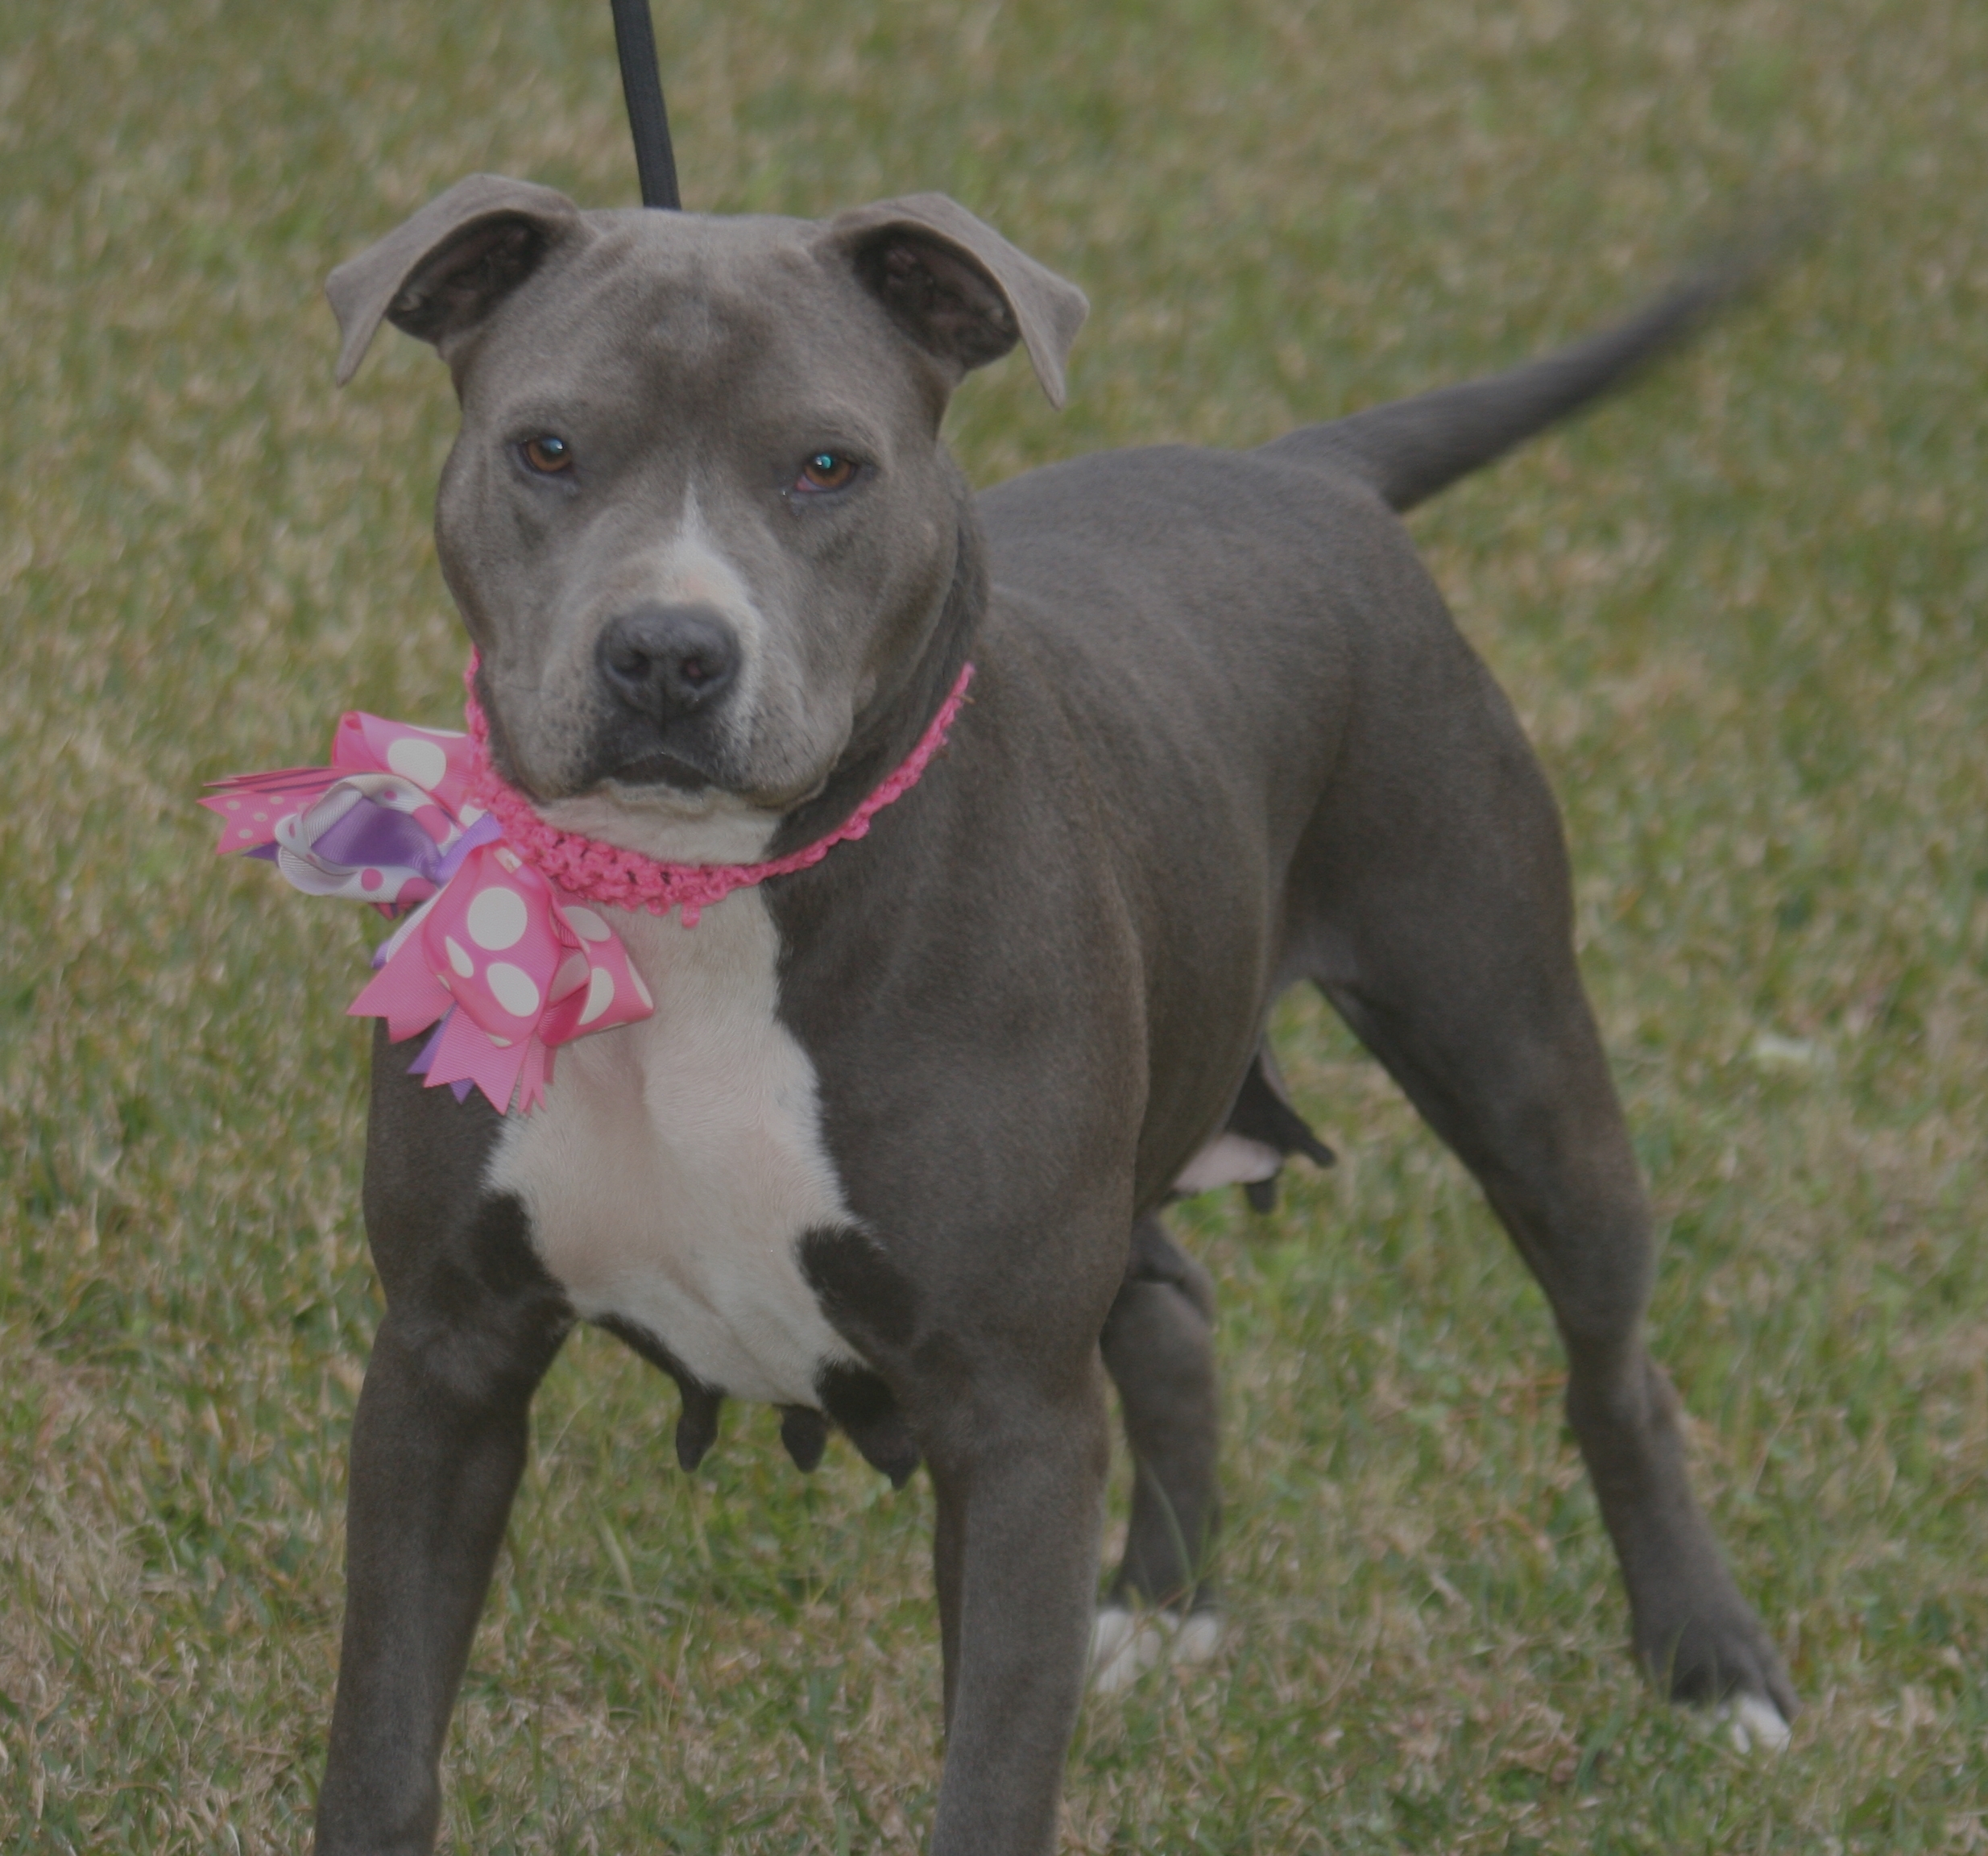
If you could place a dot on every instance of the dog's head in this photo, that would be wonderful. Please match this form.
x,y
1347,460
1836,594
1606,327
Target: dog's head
x,y
698,519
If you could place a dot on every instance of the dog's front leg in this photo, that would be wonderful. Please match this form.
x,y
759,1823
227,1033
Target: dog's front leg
x,y
437,1447
1020,1479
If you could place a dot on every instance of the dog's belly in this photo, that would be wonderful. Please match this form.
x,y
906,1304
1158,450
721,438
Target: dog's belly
x,y
675,1162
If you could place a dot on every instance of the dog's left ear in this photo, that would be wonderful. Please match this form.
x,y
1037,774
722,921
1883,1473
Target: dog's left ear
x,y
958,289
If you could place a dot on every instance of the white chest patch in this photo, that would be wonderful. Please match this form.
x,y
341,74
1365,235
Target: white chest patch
x,y
674,1163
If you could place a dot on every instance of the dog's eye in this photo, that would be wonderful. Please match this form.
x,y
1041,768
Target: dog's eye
x,y
548,455
825,471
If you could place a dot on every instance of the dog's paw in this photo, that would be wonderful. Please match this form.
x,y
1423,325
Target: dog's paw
x,y
1721,1659
1752,1721
1126,1644
1121,1646
1198,1638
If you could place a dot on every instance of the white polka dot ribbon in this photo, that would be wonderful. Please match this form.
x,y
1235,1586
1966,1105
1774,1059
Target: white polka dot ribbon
x,y
503,965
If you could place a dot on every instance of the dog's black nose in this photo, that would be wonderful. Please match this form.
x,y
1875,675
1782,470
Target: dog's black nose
x,y
667,661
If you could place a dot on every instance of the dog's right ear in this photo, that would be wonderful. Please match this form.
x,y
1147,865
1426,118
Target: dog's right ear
x,y
444,270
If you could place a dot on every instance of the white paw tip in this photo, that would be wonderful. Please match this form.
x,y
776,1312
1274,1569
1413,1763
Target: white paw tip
x,y
1752,1721
1200,1638
1124,1647
1110,1632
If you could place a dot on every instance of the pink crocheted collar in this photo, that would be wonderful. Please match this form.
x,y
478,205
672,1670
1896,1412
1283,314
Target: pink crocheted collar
x,y
583,866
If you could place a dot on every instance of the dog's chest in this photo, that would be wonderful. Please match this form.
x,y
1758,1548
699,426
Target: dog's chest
x,y
675,1162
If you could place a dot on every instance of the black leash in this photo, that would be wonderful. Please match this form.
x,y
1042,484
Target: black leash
x,y
635,44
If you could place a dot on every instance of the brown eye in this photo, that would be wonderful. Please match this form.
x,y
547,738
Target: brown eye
x,y
826,470
548,455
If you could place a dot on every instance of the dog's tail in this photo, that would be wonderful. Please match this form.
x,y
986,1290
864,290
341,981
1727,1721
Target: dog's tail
x,y
1411,449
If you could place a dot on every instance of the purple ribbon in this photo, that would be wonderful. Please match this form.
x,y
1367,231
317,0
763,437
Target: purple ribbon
x,y
379,835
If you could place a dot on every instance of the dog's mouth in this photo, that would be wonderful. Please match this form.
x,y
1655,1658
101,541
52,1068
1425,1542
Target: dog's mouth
x,y
664,775
691,772
661,769
692,762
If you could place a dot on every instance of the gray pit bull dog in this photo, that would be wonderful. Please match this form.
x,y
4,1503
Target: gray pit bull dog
x,y
889,1153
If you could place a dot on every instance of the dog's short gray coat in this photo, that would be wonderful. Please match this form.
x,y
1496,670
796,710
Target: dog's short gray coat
x,y
889,1153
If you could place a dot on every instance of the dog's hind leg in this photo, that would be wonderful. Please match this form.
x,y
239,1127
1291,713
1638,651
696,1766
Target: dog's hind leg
x,y
1158,1347
1439,923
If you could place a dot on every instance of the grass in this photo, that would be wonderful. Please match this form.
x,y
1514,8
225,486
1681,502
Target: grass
x,y
1741,613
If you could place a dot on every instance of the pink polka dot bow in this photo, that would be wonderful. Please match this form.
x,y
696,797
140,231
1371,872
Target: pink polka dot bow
x,y
505,965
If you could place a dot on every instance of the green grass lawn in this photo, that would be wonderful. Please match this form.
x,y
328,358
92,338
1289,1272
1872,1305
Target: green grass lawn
x,y
1741,612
